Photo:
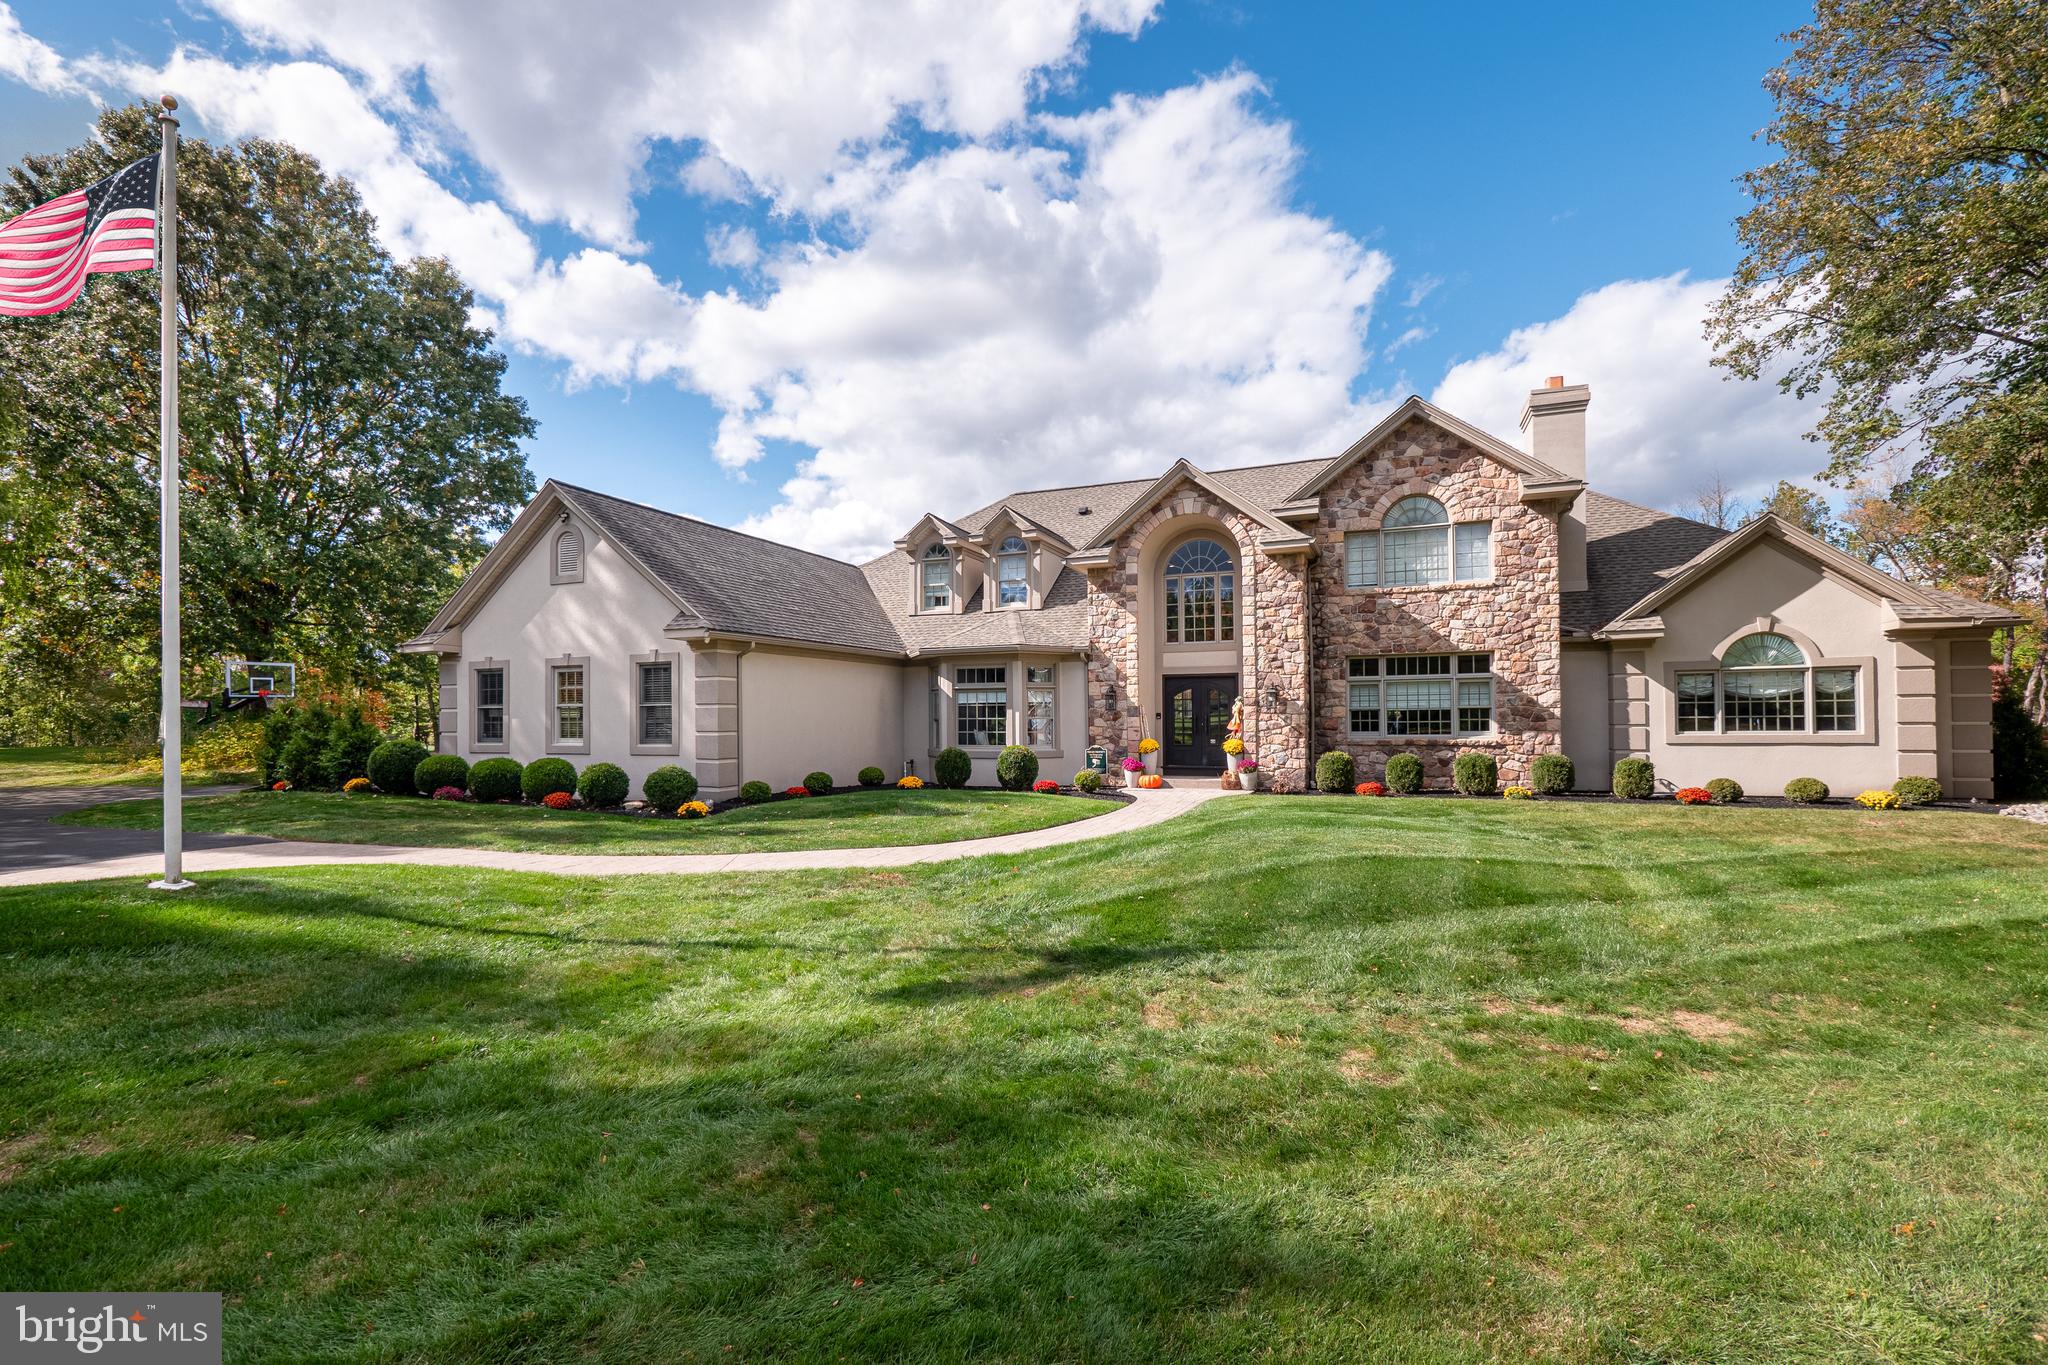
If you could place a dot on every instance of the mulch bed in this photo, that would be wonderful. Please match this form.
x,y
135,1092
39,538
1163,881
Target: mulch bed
x,y
1665,798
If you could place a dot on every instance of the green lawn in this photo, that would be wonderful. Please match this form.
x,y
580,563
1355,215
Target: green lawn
x,y
73,766
855,820
1399,1081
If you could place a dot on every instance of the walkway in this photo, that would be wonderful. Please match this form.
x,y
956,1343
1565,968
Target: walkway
x,y
65,853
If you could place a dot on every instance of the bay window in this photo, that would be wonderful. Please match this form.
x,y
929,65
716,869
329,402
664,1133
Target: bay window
x,y
981,706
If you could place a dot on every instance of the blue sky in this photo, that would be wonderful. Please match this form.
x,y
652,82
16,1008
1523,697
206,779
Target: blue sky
x,y
1420,186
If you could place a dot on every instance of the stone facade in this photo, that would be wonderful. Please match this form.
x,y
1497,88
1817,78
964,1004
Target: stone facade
x,y
1513,616
1273,619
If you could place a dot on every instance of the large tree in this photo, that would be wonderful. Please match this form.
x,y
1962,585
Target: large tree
x,y
1897,261
346,446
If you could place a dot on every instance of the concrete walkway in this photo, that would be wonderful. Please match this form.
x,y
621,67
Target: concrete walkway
x,y
66,853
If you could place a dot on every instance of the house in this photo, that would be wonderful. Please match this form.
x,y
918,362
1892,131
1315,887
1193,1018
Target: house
x,y
1431,589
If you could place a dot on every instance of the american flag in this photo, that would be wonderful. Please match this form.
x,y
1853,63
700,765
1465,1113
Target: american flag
x,y
46,253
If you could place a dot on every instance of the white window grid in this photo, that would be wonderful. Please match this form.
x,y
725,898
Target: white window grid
x,y
1439,696
657,703
490,705
569,703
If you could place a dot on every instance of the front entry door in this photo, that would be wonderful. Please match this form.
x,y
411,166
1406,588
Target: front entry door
x,y
1197,718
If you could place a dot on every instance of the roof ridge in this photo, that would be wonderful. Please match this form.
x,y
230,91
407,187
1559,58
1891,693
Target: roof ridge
x,y
1660,512
700,521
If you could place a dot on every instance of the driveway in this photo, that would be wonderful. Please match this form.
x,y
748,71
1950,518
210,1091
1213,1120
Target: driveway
x,y
28,841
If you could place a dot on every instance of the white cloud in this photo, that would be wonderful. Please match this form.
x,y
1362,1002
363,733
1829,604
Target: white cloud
x,y
32,62
1663,420
561,102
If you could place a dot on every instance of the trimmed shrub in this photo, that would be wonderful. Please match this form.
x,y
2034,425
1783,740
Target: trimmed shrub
x,y
1336,772
558,800
1045,786
436,771
754,793
952,767
1807,791
546,776
1016,768
604,785
1404,774
1693,796
1916,791
669,786
350,742
1726,791
496,779
872,777
1475,774
1088,780
1551,775
1635,779
392,763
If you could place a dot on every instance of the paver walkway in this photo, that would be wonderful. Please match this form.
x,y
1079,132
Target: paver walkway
x,y
65,853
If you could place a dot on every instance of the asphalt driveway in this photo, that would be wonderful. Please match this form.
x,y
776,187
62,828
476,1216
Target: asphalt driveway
x,y
28,839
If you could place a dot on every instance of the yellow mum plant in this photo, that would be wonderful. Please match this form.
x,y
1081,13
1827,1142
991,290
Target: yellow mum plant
x,y
1878,800
1233,745
1148,745
910,783
356,784
1517,794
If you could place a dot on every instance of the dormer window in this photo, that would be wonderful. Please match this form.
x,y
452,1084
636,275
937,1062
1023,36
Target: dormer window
x,y
937,583
1013,587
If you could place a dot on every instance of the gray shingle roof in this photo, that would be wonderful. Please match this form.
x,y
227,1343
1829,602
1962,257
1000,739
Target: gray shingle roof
x,y
1630,551
740,583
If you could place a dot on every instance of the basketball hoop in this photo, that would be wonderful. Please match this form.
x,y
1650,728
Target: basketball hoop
x,y
258,681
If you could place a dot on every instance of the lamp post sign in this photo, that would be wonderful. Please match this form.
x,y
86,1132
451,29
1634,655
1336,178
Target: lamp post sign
x,y
1098,759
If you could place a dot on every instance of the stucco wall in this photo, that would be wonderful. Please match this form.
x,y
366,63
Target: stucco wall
x,y
1070,717
611,616
1771,587
803,712
1587,717
1513,616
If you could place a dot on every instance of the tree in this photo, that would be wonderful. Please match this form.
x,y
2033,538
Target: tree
x,y
346,446
1896,258
1715,503
1802,507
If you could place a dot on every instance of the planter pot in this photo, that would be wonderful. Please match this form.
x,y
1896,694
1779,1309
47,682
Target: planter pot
x,y
1151,762
1248,781
1230,761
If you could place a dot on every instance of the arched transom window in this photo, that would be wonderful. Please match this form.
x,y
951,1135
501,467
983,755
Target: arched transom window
x,y
936,585
1201,594
1013,584
1417,543
1766,685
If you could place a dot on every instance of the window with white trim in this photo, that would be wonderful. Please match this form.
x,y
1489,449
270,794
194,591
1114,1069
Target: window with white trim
x,y
1418,545
1766,685
1201,594
1041,700
568,703
657,718
490,705
1420,695
981,706
936,583
1013,584
938,713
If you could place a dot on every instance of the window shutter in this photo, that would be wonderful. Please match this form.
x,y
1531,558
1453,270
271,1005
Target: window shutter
x,y
569,554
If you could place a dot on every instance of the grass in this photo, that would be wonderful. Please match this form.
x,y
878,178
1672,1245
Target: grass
x,y
854,820
1419,1081
77,766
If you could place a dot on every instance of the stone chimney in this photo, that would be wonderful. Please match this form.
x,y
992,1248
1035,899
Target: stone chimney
x,y
1554,418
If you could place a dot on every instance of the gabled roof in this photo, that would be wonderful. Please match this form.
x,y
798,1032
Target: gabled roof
x,y
1417,409
1181,471
1909,602
931,523
1630,552
722,581
1029,525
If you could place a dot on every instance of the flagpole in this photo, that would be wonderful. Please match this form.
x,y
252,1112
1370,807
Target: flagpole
x,y
168,478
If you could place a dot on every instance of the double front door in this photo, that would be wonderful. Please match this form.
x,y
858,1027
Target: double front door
x,y
1197,720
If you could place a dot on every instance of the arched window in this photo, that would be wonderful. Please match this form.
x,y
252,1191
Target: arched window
x,y
569,556
1013,587
1418,544
1201,594
1766,685
938,578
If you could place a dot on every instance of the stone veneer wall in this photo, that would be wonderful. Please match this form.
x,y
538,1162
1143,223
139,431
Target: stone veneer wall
x,y
1514,616
1272,614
